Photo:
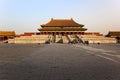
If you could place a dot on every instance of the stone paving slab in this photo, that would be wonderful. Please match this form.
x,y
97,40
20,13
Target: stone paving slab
x,y
53,62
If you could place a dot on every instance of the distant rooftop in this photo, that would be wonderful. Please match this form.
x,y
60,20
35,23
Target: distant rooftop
x,y
114,33
7,33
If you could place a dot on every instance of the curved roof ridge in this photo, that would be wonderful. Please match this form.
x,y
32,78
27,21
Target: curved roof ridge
x,y
62,22
61,19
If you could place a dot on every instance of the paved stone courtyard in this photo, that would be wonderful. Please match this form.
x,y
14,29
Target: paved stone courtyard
x,y
59,62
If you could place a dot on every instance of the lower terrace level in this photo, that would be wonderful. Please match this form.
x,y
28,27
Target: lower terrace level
x,y
60,38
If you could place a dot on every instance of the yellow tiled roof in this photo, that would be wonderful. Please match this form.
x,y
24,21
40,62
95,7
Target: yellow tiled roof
x,y
62,22
114,33
7,33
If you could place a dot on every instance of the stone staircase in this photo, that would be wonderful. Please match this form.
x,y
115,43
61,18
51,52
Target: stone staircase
x,y
65,39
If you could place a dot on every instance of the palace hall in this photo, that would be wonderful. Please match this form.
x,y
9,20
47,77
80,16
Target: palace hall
x,y
5,35
62,27
62,31
114,34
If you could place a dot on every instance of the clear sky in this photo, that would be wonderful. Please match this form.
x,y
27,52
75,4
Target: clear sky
x,y
27,15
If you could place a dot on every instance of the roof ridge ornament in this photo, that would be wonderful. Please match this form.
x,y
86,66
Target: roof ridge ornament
x,y
71,18
51,18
